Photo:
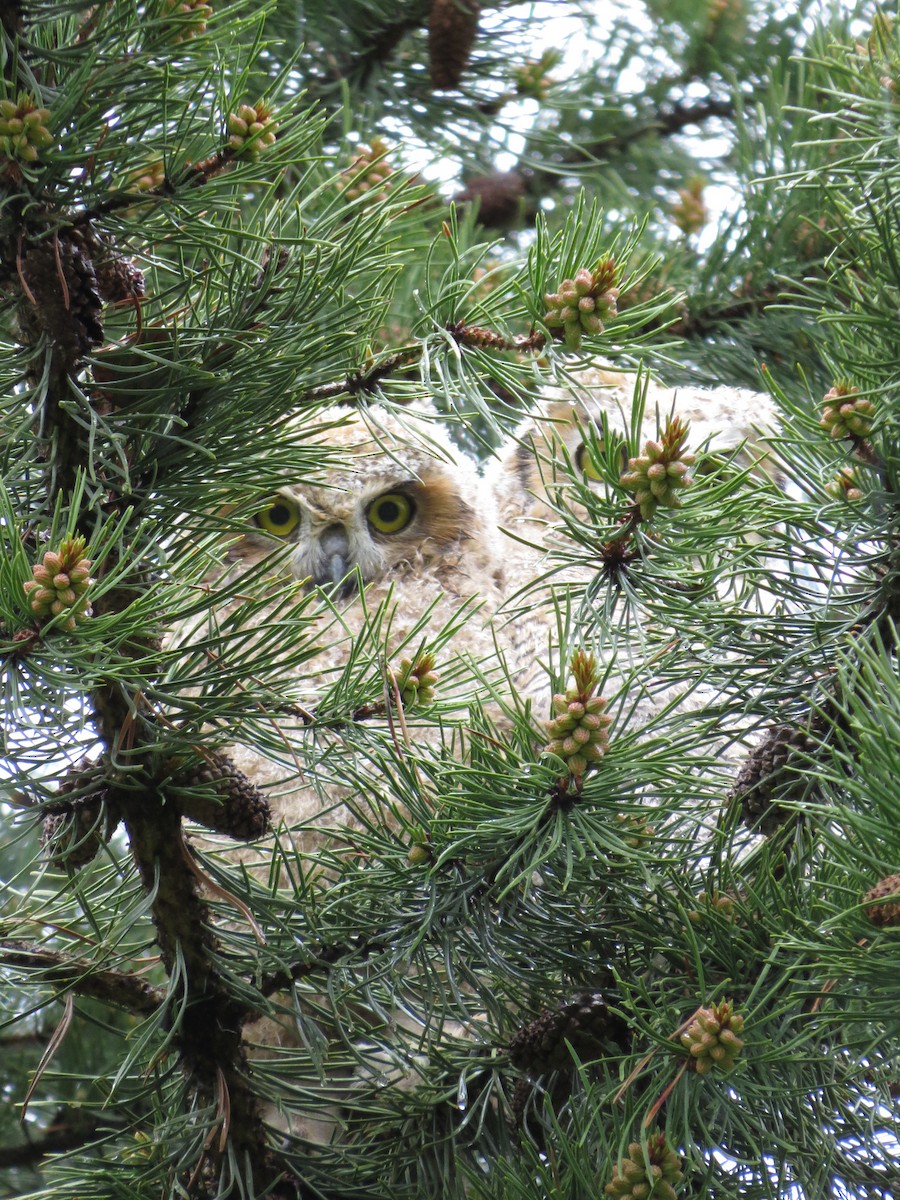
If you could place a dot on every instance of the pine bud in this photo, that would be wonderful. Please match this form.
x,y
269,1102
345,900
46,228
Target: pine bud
x,y
846,414
582,304
646,1174
712,1038
658,476
60,582
251,130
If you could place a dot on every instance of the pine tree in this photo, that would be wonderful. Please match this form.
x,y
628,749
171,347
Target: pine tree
x,y
667,967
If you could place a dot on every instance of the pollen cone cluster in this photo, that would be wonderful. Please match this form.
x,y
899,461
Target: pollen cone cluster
x,y
658,476
583,304
60,584
578,731
846,414
251,130
417,680
712,1038
646,1175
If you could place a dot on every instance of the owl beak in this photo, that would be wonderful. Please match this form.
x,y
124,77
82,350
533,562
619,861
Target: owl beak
x,y
335,560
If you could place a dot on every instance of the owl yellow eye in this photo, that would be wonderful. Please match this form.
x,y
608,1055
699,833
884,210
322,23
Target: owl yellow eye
x,y
391,512
279,519
586,463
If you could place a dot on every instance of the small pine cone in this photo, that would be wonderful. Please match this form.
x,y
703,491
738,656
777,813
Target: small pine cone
x,y
768,777
650,1175
883,902
214,793
417,680
452,27
656,477
251,130
60,584
846,414
540,1046
80,820
500,196
582,304
712,1038
23,128
634,831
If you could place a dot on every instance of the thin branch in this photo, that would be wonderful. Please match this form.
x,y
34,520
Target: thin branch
x,y
84,978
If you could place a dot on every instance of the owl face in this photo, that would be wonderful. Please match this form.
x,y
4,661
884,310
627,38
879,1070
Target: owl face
x,y
396,503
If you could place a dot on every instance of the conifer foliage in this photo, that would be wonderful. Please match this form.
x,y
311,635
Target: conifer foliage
x,y
558,953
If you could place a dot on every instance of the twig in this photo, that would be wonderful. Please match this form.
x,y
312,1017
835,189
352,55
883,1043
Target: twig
x,y
83,977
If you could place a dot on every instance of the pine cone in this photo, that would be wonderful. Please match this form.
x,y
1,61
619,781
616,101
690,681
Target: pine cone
x,y
768,777
66,302
80,819
883,902
540,1046
712,1038
500,196
452,26
215,793
650,1176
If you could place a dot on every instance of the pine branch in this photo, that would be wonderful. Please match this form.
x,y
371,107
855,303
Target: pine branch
x,y
82,976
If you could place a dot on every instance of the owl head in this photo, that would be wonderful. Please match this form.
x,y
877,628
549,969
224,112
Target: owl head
x,y
595,418
399,499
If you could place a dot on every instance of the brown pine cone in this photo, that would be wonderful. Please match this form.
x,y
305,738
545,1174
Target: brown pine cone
x,y
214,793
883,902
540,1046
452,26
770,776
80,819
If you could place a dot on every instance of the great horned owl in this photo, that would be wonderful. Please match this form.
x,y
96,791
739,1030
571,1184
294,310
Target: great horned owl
x,y
402,513
542,474
391,548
